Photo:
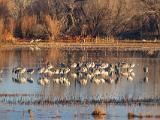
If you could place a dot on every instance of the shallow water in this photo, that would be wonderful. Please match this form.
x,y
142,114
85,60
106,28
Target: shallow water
x,y
72,112
29,58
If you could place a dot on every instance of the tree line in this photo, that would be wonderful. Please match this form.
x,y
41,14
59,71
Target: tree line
x,y
54,19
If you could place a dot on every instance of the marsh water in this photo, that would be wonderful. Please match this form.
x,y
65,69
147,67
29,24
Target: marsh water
x,y
12,93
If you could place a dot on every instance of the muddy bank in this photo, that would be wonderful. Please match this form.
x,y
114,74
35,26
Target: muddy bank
x,y
121,46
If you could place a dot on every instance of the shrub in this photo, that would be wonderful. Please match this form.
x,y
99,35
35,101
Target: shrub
x,y
54,26
27,24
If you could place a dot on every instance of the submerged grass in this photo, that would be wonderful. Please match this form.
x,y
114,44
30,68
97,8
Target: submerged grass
x,y
132,115
32,99
99,111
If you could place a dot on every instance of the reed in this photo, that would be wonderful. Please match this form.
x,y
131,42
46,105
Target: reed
x,y
132,115
98,111
27,24
54,26
1,28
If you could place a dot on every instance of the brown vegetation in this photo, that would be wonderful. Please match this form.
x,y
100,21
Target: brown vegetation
x,y
132,115
1,27
98,112
54,26
52,19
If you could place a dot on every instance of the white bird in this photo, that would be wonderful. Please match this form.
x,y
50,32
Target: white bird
x,y
130,70
30,80
37,48
41,70
96,81
43,81
57,71
104,73
146,69
111,69
74,65
46,70
74,75
111,80
89,76
83,82
97,72
56,81
67,83
1,71
23,70
89,65
19,71
22,80
125,65
80,64
102,80
104,65
84,69
132,74
132,65
66,70
146,79
64,81
37,40
30,71
46,81
130,78
49,66
50,73
125,74
31,41
92,65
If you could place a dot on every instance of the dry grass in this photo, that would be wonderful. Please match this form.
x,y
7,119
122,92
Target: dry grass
x,y
6,33
131,115
54,26
99,111
27,24
7,24
1,28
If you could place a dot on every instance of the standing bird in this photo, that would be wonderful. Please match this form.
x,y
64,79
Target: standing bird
x,y
1,72
30,80
41,70
146,79
30,71
19,71
49,66
83,82
43,81
132,65
20,80
74,65
145,69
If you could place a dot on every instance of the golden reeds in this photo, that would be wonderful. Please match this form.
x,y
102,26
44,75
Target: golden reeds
x,y
27,24
54,26
98,112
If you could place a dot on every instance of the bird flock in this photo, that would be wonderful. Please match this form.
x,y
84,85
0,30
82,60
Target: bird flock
x,y
102,73
83,73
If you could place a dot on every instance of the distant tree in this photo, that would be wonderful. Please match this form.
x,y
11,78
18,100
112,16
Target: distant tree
x,y
97,15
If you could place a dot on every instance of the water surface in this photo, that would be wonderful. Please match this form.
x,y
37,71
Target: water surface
x,y
29,58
